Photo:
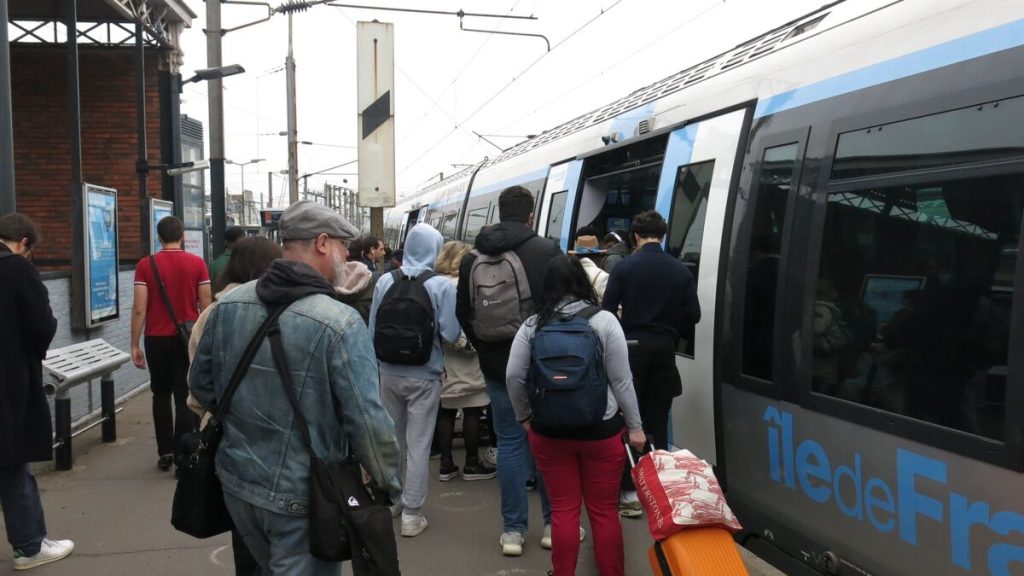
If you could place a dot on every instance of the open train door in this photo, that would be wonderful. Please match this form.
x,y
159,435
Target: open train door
x,y
559,193
411,220
693,193
686,175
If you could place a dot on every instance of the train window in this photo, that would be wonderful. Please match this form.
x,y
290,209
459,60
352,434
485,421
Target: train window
x,y
912,309
686,221
400,239
776,178
475,220
448,225
984,132
689,205
556,214
538,197
536,188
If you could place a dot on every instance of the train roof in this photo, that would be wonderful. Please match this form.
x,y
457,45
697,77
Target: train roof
x,y
744,53
836,39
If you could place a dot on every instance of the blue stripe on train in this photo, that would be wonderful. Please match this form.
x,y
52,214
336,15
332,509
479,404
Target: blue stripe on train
x,y
960,50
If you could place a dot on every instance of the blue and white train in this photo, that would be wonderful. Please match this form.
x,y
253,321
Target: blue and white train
x,y
849,190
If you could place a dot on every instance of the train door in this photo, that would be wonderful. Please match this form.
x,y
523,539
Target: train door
x,y
686,176
693,194
559,192
410,221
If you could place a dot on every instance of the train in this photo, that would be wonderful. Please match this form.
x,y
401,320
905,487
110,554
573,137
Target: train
x,y
848,189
